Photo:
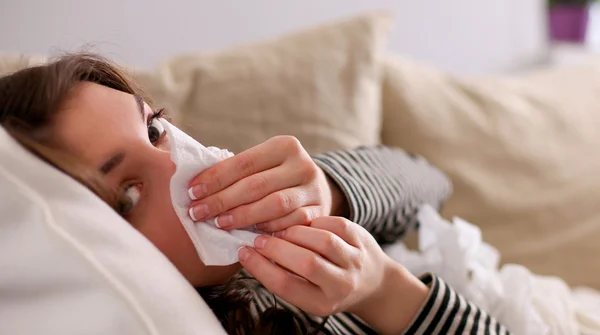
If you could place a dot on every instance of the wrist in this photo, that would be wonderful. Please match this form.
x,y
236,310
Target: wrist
x,y
339,203
394,305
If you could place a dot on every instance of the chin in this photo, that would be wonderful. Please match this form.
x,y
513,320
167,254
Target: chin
x,y
215,275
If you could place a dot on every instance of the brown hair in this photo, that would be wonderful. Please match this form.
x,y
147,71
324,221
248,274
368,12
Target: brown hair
x,y
29,101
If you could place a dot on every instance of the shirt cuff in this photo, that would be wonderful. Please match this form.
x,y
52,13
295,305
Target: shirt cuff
x,y
447,312
331,167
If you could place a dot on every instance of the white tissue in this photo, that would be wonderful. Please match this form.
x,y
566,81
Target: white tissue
x,y
523,302
215,246
456,253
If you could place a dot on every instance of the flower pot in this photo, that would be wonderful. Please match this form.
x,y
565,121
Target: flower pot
x,y
568,23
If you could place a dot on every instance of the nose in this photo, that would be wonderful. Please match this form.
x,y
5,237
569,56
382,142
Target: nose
x,y
165,158
158,162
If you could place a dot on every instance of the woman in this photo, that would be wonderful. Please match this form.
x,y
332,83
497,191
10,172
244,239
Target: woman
x,y
328,274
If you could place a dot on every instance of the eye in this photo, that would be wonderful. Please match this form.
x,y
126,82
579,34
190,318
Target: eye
x,y
155,131
130,199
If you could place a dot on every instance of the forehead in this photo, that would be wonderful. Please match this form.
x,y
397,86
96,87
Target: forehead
x,y
97,121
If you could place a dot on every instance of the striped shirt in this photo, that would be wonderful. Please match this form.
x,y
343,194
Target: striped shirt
x,y
384,188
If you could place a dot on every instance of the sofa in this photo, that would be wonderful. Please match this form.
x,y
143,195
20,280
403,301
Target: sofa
x,y
521,150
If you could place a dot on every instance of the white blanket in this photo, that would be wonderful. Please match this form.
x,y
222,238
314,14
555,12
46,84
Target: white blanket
x,y
525,303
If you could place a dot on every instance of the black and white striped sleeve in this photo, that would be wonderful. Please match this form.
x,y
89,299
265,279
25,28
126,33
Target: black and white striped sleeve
x,y
385,187
446,312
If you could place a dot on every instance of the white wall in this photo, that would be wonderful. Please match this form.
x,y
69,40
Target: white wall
x,y
461,35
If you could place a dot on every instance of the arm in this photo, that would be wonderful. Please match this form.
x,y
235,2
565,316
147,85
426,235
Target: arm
x,y
383,188
407,305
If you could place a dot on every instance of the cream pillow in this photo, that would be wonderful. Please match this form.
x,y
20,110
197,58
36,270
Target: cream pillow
x,y
321,85
13,62
69,265
523,154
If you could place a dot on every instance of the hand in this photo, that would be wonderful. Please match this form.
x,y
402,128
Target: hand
x,y
332,266
273,185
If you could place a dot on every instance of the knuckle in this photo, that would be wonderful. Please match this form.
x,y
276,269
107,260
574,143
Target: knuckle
x,y
257,186
284,203
309,169
357,262
329,243
292,144
245,164
308,266
305,216
344,225
218,205
213,180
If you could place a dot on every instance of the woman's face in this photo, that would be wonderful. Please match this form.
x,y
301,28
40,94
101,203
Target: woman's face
x,y
115,133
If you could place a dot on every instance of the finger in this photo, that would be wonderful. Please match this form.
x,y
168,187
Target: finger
x,y
301,216
223,174
303,262
323,242
345,229
271,207
278,281
245,191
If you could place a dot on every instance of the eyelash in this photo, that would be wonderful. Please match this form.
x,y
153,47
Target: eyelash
x,y
157,114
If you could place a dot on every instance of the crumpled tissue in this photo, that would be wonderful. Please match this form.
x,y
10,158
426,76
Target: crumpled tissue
x,y
456,253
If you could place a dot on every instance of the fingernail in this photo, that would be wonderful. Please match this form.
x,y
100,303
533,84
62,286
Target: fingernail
x,y
261,226
224,221
279,234
260,241
197,191
243,253
199,212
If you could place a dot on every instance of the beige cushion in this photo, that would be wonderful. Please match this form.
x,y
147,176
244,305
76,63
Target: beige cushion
x,y
321,85
523,154
161,92
10,63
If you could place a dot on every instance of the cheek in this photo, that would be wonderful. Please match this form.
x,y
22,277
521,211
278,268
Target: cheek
x,y
162,227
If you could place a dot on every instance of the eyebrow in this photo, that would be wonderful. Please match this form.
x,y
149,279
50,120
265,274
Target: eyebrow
x,y
140,103
117,159
112,163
